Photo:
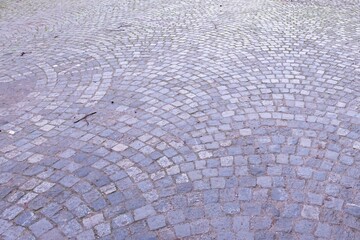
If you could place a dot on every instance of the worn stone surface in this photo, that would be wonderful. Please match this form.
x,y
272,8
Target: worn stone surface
x,y
234,119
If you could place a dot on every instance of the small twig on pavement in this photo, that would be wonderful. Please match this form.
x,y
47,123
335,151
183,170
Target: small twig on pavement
x,y
84,117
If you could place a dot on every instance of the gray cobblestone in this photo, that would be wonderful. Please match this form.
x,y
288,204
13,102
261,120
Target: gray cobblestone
x,y
93,220
353,209
71,228
41,227
156,222
87,235
182,230
310,212
261,223
304,226
175,217
103,229
323,230
143,212
123,220
25,219
279,194
200,227
241,223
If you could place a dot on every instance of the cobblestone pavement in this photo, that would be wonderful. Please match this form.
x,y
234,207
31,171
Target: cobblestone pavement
x,y
233,119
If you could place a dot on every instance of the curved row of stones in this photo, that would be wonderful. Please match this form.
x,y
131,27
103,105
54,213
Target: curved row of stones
x,y
226,120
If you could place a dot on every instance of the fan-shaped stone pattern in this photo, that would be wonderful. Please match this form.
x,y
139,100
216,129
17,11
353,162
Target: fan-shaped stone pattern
x,y
180,119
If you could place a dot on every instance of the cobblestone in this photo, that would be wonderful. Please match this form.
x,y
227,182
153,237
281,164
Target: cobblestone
x,y
179,119
41,227
156,222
